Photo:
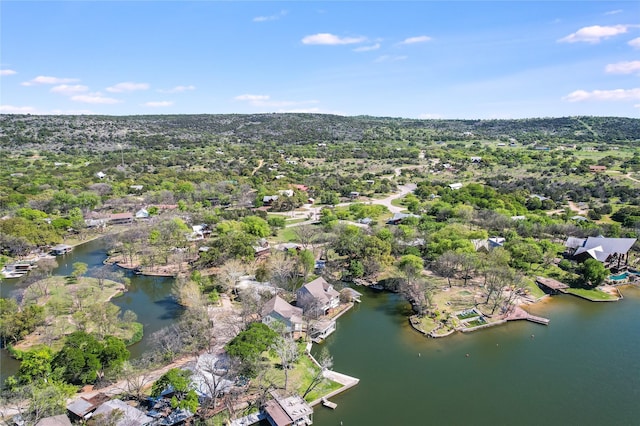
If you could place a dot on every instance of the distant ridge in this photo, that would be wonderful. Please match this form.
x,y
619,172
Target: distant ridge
x,y
53,132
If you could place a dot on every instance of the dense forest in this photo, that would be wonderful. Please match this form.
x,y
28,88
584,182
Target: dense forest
x,y
107,132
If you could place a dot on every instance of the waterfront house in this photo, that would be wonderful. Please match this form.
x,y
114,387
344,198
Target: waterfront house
x,y
321,329
121,218
612,252
317,297
291,411
60,249
278,310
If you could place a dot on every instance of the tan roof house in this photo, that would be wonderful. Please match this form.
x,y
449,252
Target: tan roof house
x,y
278,310
317,295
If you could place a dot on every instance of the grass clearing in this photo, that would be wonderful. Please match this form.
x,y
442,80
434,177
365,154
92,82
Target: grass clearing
x,y
592,294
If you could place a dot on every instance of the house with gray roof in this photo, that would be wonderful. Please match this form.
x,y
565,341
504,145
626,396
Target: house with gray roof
x,y
126,414
612,252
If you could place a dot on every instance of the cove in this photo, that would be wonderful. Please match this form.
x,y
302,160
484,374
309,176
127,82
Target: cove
x,y
584,368
149,297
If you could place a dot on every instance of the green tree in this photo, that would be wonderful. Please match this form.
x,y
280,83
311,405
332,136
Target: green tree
x,y
79,269
593,272
249,344
254,225
180,381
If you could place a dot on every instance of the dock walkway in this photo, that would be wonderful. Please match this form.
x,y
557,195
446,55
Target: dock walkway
x,y
517,313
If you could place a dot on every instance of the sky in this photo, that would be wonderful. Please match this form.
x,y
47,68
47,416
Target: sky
x,y
415,59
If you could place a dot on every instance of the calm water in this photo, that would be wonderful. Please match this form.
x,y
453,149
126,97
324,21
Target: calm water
x,y
584,368
149,297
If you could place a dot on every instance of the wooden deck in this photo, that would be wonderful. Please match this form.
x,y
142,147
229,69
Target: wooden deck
x,y
517,313
551,284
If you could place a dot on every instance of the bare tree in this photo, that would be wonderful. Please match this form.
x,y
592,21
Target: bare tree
x,y
283,271
215,372
231,272
287,350
326,362
305,235
447,265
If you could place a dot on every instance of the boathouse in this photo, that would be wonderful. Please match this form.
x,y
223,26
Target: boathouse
x,y
61,249
292,411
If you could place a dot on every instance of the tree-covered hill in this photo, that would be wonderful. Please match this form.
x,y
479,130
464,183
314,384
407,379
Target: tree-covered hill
x,y
23,132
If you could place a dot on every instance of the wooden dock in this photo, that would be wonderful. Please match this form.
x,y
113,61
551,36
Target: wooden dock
x,y
329,404
553,285
517,313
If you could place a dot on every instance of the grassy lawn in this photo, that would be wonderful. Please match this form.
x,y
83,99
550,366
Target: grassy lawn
x,y
532,288
299,377
292,221
72,305
476,322
593,294
286,235
427,324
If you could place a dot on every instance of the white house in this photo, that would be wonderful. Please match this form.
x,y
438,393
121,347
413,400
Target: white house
x,y
455,186
101,175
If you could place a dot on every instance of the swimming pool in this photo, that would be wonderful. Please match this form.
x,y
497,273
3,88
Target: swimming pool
x,y
622,276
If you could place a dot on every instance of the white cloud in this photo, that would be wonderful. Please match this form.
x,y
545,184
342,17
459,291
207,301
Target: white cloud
x,y
158,104
252,98
266,101
10,109
69,90
43,79
72,112
127,86
613,12
417,39
594,33
603,95
7,72
428,116
270,17
389,58
178,89
94,98
367,48
635,43
628,67
331,39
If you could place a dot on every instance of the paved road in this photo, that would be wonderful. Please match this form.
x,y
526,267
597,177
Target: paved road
x,y
314,210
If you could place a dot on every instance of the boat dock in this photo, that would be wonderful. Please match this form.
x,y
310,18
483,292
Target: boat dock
x,y
551,285
517,313
329,404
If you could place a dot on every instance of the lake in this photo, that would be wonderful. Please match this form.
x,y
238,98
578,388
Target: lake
x,y
149,297
584,368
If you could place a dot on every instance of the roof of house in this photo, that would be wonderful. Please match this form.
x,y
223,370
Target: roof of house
x,y
116,216
131,416
320,289
282,308
285,411
60,420
400,216
457,185
80,407
601,248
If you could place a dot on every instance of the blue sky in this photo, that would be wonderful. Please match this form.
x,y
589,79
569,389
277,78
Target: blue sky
x,y
418,59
